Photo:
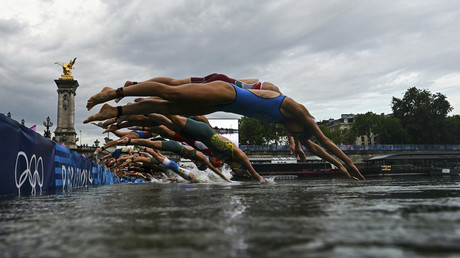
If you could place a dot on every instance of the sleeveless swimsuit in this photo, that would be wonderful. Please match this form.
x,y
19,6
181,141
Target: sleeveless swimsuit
x,y
248,104
143,134
225,78
178,148
202,132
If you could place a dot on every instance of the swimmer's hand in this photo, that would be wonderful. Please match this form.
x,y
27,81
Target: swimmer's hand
x,y
263,180
355,172
300,155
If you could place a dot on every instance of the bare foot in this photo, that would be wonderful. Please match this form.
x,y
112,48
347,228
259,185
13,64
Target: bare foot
x,y
110,129
128,83
114,127
106,112
106,94
98,124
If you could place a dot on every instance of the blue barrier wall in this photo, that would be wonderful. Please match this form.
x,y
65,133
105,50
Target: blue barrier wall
x,y
31,163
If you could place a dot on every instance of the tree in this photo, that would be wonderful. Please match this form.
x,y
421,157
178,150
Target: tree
x,y
452,130
338,136
254,132
422,114
391,131
366,124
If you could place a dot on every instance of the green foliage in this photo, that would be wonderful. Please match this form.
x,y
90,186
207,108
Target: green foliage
x,y
391,131
254,132
420,117
337,136
422,114
365,124
452,130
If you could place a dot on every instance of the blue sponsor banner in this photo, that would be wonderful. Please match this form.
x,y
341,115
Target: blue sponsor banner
x,y
33,164
74,170
26,159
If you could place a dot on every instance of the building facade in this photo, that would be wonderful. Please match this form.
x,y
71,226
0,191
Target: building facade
x,y
346,122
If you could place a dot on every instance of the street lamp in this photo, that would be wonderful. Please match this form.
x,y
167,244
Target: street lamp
x,y
48,124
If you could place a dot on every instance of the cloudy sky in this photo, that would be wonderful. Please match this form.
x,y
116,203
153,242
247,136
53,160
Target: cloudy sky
x,y
333,56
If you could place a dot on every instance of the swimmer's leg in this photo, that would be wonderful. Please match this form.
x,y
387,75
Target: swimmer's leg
x,y
187,175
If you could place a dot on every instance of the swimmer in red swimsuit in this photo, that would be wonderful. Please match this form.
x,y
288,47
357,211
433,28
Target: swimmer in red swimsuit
x,y
254,84
191,100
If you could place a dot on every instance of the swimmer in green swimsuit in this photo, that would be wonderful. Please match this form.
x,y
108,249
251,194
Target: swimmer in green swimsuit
x,y
254,84
220,146
188,99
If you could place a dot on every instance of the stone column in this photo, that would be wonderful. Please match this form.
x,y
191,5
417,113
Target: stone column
x,y
65,130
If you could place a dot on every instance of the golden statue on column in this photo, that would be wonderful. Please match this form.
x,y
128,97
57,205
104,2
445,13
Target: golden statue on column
x,y
67,69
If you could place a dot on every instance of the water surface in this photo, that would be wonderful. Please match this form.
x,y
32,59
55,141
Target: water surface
x,y
380,217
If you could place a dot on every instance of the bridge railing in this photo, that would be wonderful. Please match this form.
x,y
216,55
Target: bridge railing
x,y
377,147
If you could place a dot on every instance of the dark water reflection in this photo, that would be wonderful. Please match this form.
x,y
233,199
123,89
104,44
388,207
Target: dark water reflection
x,y
381,217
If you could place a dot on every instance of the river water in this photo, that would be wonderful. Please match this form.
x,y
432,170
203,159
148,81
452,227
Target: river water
x,y
379,217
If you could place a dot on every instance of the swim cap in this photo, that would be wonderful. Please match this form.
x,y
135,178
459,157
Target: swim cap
x,y
203,166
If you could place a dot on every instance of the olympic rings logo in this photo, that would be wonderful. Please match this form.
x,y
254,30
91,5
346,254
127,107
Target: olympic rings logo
x,y
34,172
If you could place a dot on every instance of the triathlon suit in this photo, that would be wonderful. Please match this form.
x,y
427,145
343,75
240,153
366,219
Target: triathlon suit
x,y
143,134
198,130
248,104
247,108
225,78
178,170
256,86
173,166
116,153
178,148
195,144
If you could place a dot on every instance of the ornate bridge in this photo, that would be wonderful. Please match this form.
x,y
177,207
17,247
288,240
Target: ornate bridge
x,y
357,153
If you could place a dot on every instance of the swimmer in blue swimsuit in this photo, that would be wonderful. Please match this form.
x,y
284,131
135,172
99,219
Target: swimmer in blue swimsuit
x,y
134,134
247,103
158,159
178,148
254,84
190,100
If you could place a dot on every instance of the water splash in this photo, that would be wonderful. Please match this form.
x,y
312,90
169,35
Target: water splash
x,y
271,180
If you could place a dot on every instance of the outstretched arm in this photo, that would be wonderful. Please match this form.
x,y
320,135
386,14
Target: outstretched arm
x,y
329,145
318,151
294,146
301,114
243,159
214,169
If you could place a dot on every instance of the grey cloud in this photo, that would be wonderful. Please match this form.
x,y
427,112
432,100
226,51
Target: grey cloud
x,y
333,56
